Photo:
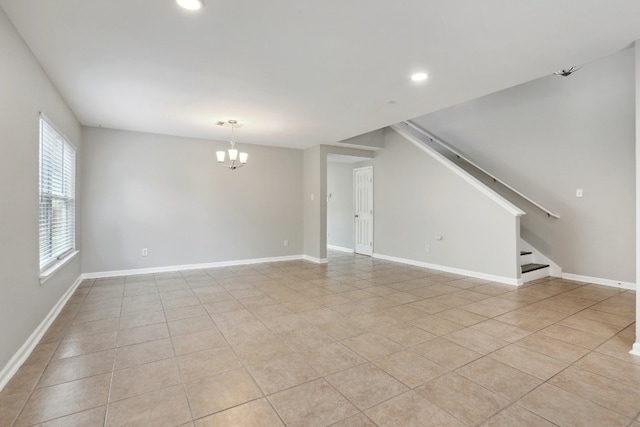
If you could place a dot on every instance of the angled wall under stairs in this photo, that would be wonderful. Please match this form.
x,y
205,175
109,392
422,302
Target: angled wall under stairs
x,y
550,137
430,212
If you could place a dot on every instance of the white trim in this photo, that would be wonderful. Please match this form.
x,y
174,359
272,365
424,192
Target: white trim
x,y
51,270
23,353
339,248
475,274
62,134
490,175
356,146
636,349
314,259
538,257
466,176
530,276
171,268
599,281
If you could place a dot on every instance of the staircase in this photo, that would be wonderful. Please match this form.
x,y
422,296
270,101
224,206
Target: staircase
x,y
533,263
531,270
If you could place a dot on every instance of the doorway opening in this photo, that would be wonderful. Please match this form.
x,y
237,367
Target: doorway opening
x,y
349,194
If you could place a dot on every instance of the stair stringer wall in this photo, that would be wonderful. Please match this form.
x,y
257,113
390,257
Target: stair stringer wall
x,y
554,135
419,195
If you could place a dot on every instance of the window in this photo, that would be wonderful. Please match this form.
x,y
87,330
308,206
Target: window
x,y
57,196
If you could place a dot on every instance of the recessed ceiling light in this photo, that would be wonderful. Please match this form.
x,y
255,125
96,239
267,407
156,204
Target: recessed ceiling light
x,y
418,77
191,4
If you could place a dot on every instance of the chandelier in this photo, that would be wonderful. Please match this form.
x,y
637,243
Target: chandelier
x,y
236,160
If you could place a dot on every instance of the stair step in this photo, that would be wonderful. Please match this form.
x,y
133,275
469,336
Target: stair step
x,y
532,267
523,253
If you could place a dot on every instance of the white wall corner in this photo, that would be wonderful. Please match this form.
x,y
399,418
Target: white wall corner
x,y
636,349
23,353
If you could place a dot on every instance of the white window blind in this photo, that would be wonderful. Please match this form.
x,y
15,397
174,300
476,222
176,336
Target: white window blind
x,y
57,195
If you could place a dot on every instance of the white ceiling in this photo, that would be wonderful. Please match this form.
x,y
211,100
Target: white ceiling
x,y
296,72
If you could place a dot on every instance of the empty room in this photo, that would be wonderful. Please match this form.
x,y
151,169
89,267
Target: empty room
x,y
292,213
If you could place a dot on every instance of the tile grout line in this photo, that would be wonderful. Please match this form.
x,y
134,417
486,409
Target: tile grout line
x,y
368,329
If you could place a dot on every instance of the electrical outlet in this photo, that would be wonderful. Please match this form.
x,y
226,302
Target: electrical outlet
x,y
145,252
427,248
579,192
286,243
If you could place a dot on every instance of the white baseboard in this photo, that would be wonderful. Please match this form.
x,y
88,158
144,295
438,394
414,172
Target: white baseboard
x,y
599,281
314,259
636,349
23,353
170,268
475,274
339,248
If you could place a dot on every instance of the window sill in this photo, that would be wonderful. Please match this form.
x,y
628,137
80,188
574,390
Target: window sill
x,y
50,271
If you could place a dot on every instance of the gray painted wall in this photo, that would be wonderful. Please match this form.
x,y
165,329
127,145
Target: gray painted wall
x,y
169,195
311,194
340,204
373,140
417,198
26,90
548,138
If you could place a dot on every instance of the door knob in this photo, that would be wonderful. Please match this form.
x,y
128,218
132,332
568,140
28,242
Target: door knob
x,y
356,216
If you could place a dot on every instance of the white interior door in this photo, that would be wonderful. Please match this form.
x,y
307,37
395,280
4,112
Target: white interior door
x,y
363,210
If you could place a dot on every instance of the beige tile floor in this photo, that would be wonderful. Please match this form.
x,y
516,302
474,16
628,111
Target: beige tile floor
x,y
357,342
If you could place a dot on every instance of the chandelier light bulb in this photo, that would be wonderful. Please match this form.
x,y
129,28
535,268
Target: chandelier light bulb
x,y
236,159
